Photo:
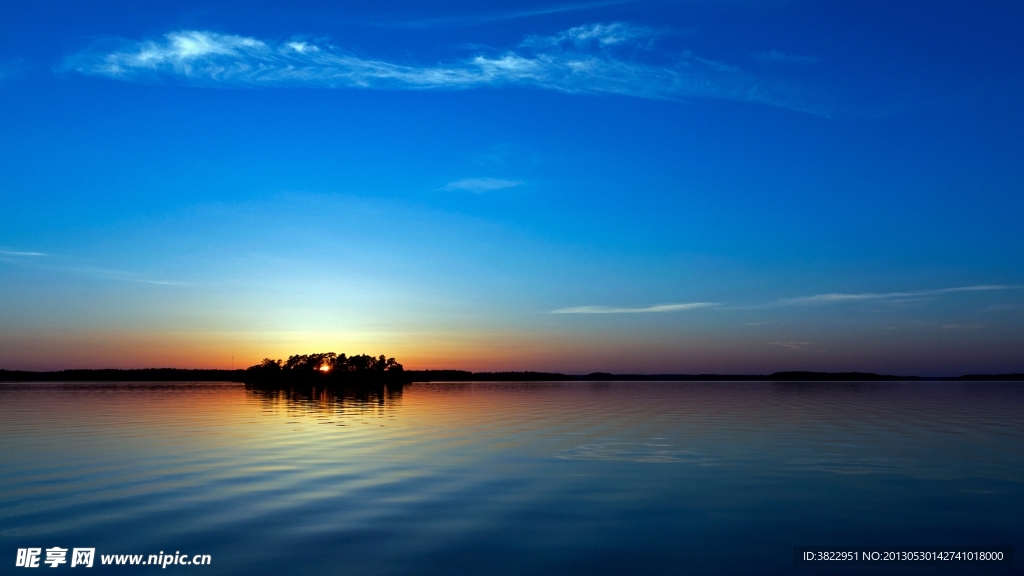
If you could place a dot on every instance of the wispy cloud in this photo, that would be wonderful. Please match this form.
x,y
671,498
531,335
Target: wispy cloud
x,y
649,309
818,299
120,275
962,326
612,58
70,265
585,38
457,21
481,184
802,346
835,298
777,56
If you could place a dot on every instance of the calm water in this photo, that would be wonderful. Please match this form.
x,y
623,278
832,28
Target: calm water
x,y
509,478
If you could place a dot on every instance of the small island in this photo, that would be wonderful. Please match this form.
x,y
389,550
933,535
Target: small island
x,y
326,368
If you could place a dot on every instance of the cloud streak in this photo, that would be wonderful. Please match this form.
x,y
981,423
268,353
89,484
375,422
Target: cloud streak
x,y
837,298
649,309
800,346
29,259
613,58
479,185
490,18
818,299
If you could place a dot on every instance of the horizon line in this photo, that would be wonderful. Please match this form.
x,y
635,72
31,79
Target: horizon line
x,y
802,375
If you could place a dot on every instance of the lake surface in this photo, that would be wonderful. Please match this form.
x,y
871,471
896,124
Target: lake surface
x,y
510,478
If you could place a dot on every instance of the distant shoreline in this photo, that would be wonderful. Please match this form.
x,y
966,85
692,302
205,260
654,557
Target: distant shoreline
x,y
200,375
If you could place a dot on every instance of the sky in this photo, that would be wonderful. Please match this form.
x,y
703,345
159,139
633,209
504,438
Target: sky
x,y
649,187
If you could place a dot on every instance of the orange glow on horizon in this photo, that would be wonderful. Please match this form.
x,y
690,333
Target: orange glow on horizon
x,y
479,351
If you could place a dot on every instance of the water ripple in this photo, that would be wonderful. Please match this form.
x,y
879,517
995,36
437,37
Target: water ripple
x,y
630,452
508,478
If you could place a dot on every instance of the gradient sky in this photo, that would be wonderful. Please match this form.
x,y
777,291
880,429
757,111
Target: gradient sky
x,y
698,186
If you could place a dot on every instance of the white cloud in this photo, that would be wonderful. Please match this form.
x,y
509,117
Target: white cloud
x,y
481,184
16,253
615,58
595,36
835,298
302,47
614,310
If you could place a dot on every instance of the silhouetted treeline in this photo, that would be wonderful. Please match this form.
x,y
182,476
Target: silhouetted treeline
x,y
464,376
368,369
326,367
839,376
116,375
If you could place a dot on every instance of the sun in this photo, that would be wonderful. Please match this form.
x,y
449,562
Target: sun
x,y
325,368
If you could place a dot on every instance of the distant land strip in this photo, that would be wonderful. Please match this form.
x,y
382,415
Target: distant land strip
x,y
200,375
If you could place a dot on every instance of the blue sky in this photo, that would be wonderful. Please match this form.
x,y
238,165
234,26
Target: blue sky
x,y
621,186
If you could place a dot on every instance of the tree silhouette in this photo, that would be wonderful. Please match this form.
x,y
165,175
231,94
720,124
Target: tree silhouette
x,y
328,368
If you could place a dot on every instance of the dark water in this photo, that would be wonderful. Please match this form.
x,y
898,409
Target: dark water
x,y
532,478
